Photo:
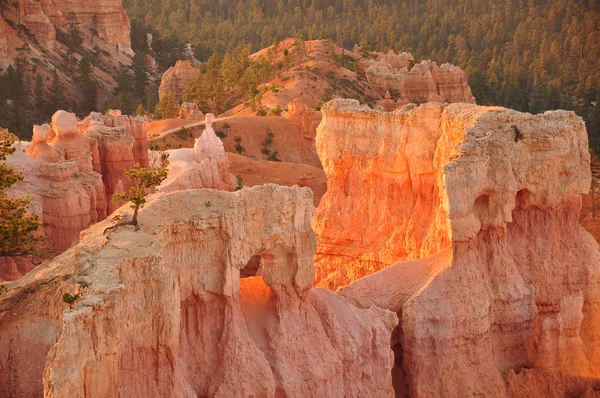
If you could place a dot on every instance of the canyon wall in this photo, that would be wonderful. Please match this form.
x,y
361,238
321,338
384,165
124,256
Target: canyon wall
x,y
107,17
383,200
509,306
163,311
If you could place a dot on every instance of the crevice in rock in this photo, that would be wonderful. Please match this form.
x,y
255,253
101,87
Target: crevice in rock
x,y
398,376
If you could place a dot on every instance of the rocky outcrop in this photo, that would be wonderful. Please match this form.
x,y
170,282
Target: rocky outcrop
x,y
417,83
107,17
508,303
3,44
176,78
204,166
163,311
72,169
38,22
122,143
190,111
304,118
383,202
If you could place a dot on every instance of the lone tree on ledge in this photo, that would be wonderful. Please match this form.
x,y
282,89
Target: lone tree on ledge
x,y
143,180
17,226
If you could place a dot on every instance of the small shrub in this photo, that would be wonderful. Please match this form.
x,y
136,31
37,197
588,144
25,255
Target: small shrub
x,y
329,75
238,145
221,134
70,298
239,183
273,157
277,111
261,112
183,133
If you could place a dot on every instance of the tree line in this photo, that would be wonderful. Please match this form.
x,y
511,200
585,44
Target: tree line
x,y
529,55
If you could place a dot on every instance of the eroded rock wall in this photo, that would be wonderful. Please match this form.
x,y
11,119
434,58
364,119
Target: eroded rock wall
x,y
383,200
511,305
107,17
163,311
72,169
419,83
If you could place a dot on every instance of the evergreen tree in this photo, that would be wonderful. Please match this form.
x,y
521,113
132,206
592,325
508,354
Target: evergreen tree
x,y
17,226
89,86
74,35
55,96
167,108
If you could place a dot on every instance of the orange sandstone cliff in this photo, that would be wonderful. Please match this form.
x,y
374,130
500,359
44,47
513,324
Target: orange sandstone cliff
x,y
163,311
500,296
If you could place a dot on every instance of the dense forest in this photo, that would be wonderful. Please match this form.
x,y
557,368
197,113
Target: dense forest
x,y
529,55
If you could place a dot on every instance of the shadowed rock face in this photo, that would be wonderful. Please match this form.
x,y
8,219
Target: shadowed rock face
x,y
163,311
176,78
500,296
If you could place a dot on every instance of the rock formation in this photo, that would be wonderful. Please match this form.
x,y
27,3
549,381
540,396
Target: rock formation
x,y
190,111
304,117
502,295
423,82
163,311
3,44
204,166
383,202
107,17
72,169
176,78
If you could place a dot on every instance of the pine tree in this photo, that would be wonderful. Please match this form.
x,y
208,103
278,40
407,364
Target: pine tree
x,y
593,127
55,96
39,94
89,86
17,226
229,72
143,180
74,35
167,107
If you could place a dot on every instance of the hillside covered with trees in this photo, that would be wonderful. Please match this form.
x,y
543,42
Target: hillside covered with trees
x,y
529,55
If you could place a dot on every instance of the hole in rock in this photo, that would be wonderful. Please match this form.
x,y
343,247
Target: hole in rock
x,y
523,199
481,208
256,305
252,268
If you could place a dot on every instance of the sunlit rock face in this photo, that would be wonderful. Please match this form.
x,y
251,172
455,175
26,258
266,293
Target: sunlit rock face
x,y
204,166
168,301
72,169
509,305
383,201
107,17
419,83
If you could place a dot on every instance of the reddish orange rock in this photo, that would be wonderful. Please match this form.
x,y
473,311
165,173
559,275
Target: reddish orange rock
x,y
509,306
168,301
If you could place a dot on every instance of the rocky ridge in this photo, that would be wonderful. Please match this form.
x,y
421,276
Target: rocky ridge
x,y
163,311
503,282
